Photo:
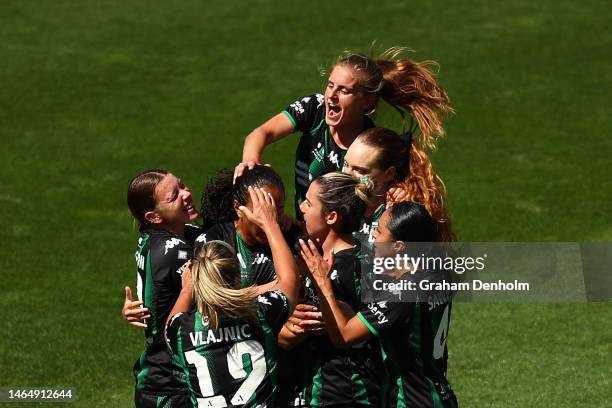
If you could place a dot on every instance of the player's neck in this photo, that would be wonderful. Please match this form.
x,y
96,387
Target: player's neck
x,y
178,230
247,237
337,242
376,202
345,135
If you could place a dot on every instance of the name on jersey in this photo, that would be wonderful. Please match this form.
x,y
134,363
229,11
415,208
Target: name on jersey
x,y
223,334
140,260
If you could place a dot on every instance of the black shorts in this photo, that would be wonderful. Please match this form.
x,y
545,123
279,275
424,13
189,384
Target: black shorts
x,y
144,400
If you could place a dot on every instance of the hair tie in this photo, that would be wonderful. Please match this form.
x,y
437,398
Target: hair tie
x,y
364,179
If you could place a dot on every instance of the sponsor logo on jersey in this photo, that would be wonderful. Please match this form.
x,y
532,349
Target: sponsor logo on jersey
x,y
171,243
379,314
182,268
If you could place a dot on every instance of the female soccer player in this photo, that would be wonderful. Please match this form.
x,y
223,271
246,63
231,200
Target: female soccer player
x,y
330,123
413,335
334,204
226,348
162,205
221,202
393,160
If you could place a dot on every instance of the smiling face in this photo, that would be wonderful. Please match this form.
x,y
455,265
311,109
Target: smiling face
x,y
345,103
362,160
314,218
173,206
249,231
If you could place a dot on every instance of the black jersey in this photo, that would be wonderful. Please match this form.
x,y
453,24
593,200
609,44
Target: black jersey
x,y
317,153
235,365
256,265
161,258
333,377
413,337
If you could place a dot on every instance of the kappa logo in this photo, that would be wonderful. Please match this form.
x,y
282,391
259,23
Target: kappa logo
x,y
264,300
171,243
297,106
259,259
365,229
320,100
201,238
334,275
140,261
333,157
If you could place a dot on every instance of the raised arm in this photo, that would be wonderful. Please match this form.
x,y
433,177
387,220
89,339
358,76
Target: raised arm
x,y
342,331
272,130
264,215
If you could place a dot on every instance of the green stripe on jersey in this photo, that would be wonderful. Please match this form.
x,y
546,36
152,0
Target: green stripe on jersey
x,y
315,398
291,119
368,325
361,394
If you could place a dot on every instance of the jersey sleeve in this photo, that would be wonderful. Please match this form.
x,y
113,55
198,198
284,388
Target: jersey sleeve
x,y
171,333
303,113
343,275
381,316
192,233
275,307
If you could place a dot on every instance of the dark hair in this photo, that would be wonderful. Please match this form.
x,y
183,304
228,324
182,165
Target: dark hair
x,y
141,194
409,86
347,195
222,190
410,222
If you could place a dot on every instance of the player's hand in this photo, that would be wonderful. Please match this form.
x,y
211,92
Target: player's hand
x,y
133,312
264,209
239,169
396,194
186,282
318,267
305,319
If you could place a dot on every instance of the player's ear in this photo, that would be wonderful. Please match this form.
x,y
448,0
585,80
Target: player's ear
x,y
332,217
236,206
399,246
153,217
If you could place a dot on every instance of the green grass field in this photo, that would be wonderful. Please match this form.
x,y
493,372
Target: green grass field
x,y
94,92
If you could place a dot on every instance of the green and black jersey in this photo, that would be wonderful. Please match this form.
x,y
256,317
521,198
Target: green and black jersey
x,y
235,365
333,377
317,153
161,258
256,265
413,337
364,237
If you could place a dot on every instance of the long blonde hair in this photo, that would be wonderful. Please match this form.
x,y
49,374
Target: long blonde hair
x,y
216,275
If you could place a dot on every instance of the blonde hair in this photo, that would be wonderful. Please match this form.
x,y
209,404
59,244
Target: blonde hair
x,y
411,87
349,196
216,275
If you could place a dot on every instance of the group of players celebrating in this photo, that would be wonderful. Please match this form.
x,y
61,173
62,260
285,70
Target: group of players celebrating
x,y
257,309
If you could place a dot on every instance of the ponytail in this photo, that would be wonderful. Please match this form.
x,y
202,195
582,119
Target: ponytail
x,y
347,195
216,274
410,87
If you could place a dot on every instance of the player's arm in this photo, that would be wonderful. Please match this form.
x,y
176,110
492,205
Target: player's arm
x,y
185,299
274,129
264,215
342,331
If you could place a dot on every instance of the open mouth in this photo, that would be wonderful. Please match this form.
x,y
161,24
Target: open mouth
x,y
190,209
333,110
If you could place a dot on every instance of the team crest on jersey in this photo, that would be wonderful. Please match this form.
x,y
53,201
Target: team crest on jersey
x,y
182,254
171,243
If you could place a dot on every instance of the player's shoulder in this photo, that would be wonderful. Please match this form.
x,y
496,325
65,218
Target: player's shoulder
x,y
167,245
223,232
308,102
273,298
